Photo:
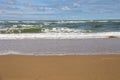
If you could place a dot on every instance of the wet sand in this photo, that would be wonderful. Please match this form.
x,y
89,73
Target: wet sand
x,y
105,67
61,46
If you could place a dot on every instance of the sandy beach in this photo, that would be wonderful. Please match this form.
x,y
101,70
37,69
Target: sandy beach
x,y
59,39
105,67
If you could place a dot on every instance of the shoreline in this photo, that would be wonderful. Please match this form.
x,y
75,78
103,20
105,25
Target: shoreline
x,y
104,67
57,55
60,46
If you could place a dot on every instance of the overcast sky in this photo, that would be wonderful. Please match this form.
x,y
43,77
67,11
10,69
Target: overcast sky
x,y
59,9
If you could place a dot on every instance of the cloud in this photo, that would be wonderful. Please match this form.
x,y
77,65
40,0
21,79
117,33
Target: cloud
x,y
65,8
96,6
103,8
23,8
76,4
10,2
37,7
57,7
6,12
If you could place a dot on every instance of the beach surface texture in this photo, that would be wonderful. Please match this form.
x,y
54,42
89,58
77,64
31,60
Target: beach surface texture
x,y
105,67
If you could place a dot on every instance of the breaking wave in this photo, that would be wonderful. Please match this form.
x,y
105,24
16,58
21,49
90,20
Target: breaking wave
x,y
59,29
59,35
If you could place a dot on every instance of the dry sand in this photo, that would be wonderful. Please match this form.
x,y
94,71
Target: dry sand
x,y
60,67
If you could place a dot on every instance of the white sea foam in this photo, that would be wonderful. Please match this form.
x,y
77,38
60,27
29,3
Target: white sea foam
x,y
59,35
11,53
50,54
34,54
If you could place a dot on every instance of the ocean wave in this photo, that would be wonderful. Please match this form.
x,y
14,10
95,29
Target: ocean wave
x,y
59,29
58,26
42,30
59,35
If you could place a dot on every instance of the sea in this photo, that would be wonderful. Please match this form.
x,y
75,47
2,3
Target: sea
x,y
59,29
59,37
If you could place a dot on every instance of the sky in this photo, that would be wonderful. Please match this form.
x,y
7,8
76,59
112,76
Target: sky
x,y
59,9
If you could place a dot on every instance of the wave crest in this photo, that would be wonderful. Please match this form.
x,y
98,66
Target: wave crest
x,y
59,35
